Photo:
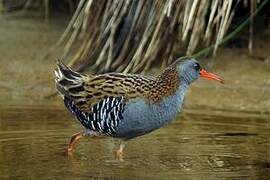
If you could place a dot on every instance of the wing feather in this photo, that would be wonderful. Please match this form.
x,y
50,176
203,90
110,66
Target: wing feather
x,y
86,91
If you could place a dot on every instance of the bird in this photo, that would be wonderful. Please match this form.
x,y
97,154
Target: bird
x,y
125,106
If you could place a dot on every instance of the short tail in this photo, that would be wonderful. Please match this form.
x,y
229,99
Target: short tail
x,y
67,80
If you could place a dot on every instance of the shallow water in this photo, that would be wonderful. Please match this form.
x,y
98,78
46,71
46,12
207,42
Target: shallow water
x,y
33,142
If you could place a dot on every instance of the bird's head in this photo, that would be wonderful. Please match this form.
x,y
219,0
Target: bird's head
x,y
190,70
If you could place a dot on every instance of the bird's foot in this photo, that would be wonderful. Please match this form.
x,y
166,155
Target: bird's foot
x,y
120,153
70,151
73,140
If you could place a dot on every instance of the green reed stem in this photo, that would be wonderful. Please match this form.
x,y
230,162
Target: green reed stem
x,y
231,34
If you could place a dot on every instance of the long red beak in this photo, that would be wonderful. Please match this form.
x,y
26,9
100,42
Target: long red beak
x,y
210,76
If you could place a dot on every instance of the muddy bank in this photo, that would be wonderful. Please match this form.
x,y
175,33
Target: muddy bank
x,y
27,79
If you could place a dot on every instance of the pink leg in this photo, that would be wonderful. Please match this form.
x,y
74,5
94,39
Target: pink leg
x,y
73,140
120,152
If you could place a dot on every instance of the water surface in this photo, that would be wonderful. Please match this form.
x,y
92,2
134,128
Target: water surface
x,y
33,143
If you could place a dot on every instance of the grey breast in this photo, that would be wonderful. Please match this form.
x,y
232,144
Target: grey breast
x,y
141,117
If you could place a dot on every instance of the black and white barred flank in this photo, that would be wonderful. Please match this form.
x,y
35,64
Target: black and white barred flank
x,y
105,116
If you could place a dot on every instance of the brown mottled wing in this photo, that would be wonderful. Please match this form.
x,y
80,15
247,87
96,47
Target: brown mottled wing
x,y
86,91
97,88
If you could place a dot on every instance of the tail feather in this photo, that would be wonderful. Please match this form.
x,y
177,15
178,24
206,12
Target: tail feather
x,y
67,79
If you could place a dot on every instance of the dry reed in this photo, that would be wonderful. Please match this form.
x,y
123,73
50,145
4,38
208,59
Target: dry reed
x,y
133,35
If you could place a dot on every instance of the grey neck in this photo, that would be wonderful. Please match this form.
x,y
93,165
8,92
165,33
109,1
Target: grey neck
x,y
181,92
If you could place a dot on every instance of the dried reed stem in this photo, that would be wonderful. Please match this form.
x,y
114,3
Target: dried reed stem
x,y
133,35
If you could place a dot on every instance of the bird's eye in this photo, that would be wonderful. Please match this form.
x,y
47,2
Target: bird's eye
x,y
197,67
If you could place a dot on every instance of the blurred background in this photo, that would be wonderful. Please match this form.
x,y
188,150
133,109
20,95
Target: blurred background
x,y
223,129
